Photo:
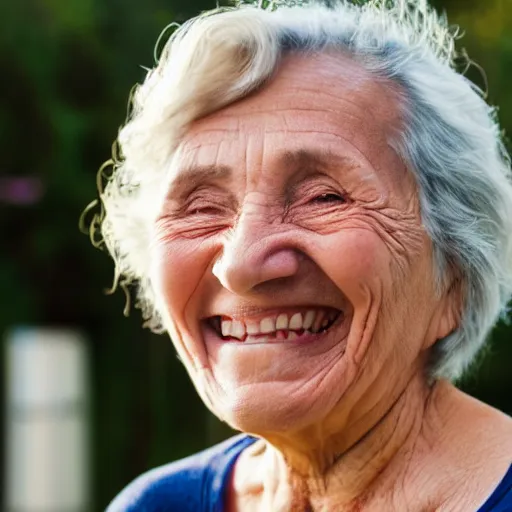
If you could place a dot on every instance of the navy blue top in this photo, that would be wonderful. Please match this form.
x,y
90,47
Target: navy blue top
x,y
501,499
198,484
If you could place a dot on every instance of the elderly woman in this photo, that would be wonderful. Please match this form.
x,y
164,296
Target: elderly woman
x,y
317,208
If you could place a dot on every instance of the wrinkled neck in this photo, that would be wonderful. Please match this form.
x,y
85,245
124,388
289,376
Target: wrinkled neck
x,y
343,469
427,452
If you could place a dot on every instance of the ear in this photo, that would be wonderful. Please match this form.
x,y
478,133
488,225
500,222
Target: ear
x,y
447,315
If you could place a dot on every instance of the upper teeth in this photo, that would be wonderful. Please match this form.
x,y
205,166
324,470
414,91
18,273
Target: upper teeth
x,y
313,320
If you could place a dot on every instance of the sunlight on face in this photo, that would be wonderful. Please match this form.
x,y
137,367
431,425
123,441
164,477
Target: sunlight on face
x,y
291,264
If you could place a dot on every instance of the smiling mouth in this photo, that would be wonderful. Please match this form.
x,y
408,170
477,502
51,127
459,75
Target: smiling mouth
x,y
276,328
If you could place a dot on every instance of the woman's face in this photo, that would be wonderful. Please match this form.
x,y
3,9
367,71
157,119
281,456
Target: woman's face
x,y
291,266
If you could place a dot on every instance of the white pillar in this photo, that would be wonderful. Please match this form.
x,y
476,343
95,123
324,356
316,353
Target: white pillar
x,y
46,464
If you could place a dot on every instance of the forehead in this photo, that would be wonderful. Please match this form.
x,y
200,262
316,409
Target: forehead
x,y
325,101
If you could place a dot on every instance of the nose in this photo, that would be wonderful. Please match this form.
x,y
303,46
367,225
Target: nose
x,y
254,254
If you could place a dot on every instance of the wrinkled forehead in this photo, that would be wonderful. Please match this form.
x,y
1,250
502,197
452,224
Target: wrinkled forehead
x,y
325,102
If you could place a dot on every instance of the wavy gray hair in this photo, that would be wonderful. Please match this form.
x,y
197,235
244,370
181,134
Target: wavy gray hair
x,y
450,140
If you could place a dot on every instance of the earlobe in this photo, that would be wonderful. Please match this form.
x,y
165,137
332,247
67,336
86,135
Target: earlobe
x,y
448,322
448,313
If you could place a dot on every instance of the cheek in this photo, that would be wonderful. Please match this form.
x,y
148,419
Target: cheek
x,y
359,263
390,319
179,267
355,260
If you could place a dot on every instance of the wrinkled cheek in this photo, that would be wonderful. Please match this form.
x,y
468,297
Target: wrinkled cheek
x,y
169,262
177,269
358,262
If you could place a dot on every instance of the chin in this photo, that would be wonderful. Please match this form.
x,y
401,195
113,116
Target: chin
x,y
275,408
275,383
260,417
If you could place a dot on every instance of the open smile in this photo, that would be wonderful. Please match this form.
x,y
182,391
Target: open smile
x,y
297,326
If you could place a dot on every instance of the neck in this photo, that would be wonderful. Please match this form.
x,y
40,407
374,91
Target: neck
x,y
372,451
424,452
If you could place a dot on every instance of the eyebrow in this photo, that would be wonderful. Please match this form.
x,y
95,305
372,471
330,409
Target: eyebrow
x,y
316,159
298,162
304,162
189,178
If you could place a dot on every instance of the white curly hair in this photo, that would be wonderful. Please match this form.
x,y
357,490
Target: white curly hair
x,y
450,141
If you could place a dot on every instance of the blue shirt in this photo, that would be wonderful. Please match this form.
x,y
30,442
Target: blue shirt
x,y
198,484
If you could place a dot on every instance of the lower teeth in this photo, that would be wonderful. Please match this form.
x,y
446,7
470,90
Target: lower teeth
x,y
278,336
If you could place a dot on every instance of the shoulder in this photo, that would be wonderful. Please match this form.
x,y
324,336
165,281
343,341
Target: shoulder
x,y
478,451
501,499
184,484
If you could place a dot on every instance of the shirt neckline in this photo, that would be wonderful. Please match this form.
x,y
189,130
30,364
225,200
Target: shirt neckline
x,y
499,492
224,464
226,461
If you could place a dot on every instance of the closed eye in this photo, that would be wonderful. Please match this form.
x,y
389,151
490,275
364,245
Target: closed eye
x,y
204,210
329,197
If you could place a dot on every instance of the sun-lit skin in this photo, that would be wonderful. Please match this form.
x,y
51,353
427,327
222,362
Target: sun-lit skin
x,y
289,200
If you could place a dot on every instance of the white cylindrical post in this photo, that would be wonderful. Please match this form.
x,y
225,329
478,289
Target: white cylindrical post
x,y
46,421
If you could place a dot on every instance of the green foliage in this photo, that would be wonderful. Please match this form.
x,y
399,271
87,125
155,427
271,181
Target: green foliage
x,y
68,67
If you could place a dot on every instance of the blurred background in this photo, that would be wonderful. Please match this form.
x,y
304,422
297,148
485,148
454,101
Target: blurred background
x,y
90,399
